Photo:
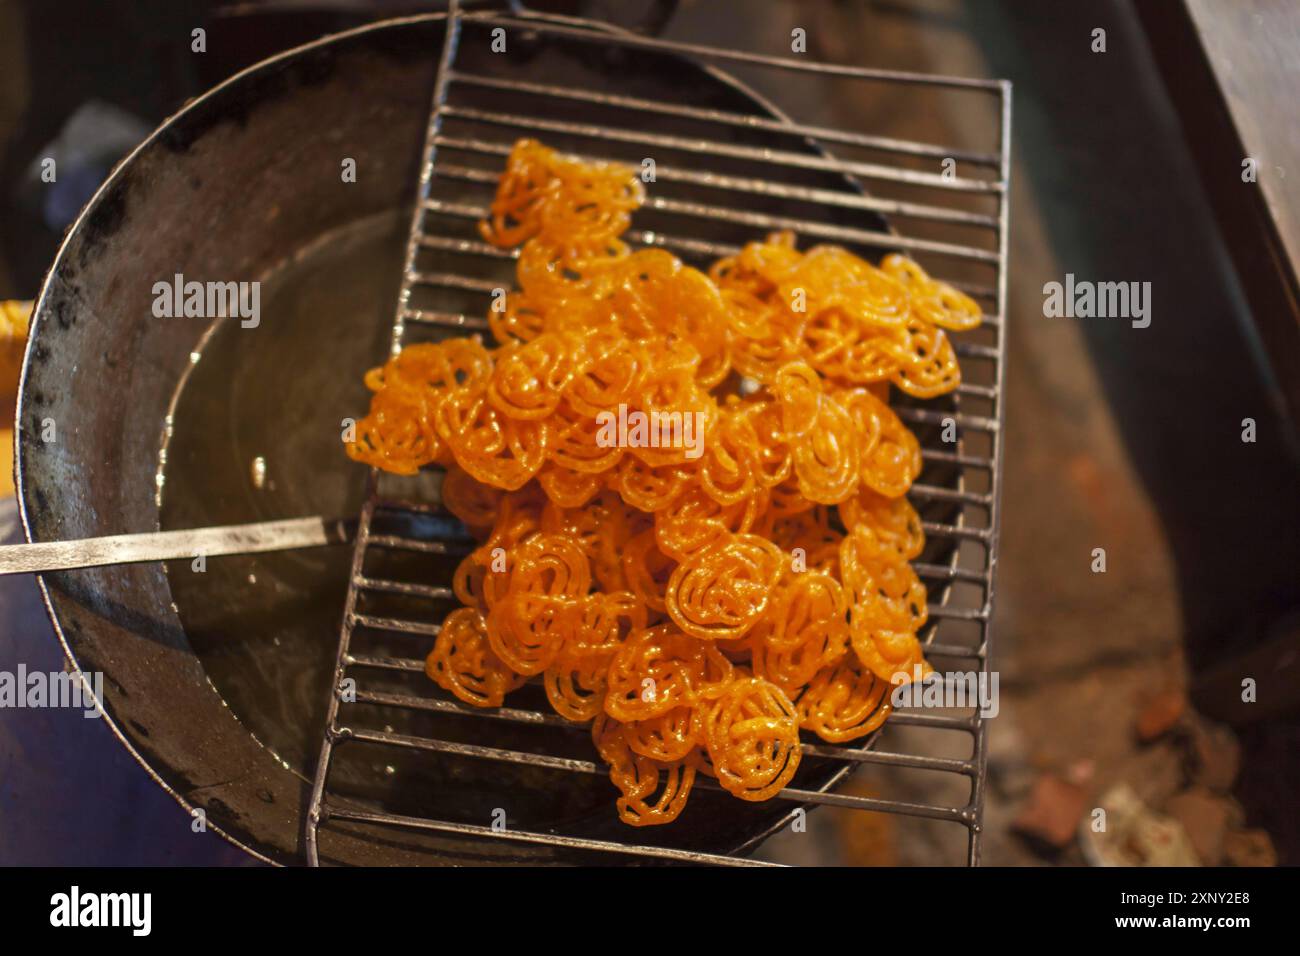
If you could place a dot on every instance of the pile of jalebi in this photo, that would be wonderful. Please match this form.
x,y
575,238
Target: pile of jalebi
x,y
703,605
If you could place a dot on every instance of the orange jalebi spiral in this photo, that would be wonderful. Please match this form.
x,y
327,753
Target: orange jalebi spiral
x,y
645,800
752,736
462,662
700,570
722,590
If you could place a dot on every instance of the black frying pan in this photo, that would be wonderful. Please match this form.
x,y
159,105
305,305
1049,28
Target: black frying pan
x,y
216,681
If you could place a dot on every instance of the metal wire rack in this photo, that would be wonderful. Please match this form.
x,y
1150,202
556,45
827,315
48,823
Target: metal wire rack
x,y
722,176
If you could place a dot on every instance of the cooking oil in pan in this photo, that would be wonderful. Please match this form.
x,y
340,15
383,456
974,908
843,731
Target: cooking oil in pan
x,y
255,434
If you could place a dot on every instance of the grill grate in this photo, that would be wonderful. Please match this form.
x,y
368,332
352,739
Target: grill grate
x,y
722,177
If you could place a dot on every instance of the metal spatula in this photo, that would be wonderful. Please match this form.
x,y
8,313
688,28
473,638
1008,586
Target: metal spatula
x,y
165,545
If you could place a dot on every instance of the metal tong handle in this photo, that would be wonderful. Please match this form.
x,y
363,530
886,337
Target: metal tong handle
x,y
165,545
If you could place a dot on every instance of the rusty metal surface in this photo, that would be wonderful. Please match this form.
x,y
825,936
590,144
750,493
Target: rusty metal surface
x,y
227,188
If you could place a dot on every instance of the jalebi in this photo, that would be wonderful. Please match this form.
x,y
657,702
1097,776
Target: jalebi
x,y
734,566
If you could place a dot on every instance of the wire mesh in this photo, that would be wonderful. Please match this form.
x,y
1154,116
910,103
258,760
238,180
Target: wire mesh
x,y
722,176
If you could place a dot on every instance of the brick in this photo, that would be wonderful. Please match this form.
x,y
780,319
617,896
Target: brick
x,y
1052,812
1159,715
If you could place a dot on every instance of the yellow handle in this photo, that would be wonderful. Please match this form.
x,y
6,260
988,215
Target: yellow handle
x,y
14,318
13,339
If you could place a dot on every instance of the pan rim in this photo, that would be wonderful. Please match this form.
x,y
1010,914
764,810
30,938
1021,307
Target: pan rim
x,y
39,319
74,230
